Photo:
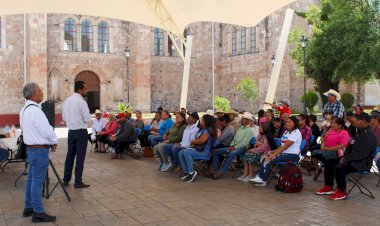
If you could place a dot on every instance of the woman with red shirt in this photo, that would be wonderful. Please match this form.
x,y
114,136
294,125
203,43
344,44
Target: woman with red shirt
x,y
108,130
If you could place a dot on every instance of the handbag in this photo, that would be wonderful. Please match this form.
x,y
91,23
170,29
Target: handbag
x,y
21,146
198,147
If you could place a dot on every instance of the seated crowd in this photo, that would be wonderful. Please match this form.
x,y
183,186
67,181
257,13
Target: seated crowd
x,y
342,145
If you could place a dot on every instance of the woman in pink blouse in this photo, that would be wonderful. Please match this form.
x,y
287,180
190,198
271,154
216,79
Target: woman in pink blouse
x,y
264,144
333,141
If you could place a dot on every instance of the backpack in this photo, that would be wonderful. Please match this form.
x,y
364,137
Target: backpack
x,y
290,179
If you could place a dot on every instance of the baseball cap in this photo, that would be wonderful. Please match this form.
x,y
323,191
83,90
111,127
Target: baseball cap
x,y
121,114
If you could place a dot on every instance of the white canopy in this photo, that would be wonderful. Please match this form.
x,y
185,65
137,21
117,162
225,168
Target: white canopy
x,y
171,15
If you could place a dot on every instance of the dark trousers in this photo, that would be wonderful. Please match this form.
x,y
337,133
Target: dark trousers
x,y
120,146
334,168
144,140
77,147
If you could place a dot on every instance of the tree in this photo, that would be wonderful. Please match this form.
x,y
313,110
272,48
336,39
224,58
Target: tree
x,y
344,44
223,103
311,100
248,89
347,100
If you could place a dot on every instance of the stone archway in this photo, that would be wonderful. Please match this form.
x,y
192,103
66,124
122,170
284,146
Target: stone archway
x,y
93,84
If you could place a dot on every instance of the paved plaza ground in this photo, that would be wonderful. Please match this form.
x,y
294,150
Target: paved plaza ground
x,y
133,192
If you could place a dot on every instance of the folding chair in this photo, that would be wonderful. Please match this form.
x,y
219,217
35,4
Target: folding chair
x,y
200,164
356,183
374,166
135,150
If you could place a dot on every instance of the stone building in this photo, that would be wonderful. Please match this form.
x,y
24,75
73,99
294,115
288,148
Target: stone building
x,y
55,50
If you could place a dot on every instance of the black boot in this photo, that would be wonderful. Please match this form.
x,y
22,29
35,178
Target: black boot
x,y
43,217
28,212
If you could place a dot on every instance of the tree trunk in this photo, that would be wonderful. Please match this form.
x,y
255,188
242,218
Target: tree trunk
x,y
358,92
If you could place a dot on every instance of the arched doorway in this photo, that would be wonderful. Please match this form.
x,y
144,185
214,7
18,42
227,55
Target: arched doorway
x,y
93,85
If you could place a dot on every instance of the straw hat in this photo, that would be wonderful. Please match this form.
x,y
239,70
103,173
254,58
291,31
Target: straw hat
x,y
210,112
285,101
247,115
233,112
98,112
218,110
333,92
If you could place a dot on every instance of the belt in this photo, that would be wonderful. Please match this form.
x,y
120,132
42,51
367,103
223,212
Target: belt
x,y
38,146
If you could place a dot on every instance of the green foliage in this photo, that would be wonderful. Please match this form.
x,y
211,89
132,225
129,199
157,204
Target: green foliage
x,y
123,107
248,89
347,100
344,44
311,100
223,103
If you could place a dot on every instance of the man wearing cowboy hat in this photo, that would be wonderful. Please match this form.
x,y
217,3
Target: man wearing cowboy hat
x,y
234,122
218,112
284,108
97,126
238,146
333,105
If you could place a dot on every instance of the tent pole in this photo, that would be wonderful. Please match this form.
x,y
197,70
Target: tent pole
x,y
279,57
186,71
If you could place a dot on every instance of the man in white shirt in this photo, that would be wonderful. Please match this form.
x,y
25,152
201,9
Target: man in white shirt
x,y
97,126
39,138
76,114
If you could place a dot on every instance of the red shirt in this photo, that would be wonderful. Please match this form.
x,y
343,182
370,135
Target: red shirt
x,y
283,110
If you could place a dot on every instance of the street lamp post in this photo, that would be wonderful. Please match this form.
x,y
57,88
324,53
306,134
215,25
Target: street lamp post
x,y
304,45
127,53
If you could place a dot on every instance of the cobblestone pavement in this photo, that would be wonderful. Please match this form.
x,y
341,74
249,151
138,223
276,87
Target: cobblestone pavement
x,y
133,192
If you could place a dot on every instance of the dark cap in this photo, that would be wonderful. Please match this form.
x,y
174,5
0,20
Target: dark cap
x,y
364,116
195,116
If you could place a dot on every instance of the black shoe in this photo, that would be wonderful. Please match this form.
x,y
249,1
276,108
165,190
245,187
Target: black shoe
x,y
28,212
65,183
191,177
43,217
81,185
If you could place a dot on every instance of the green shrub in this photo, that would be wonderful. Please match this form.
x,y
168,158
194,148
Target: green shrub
x,y
347,100
223,103
311,100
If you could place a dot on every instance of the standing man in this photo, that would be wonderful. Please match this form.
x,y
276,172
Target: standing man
x,y
283,109
76,114
39,137
334,105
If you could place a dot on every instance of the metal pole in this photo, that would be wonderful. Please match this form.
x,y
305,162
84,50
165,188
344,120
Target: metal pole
x,y
128,79
304,80
213,64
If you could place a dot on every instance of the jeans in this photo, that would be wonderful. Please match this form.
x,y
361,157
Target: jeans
x,y
230,157
264,171
38,163
77,147
4,153
154,140
186,158
173,153
159,150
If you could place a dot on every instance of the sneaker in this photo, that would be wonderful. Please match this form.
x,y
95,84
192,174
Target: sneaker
x,y
28,212
326,190
166,166
264,184
185,175
160,166
241,178
338,195
246,179
191,177
257,180
42,217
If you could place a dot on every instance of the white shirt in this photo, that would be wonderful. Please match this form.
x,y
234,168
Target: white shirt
x,y
294,136
98,125
35,126
255,131
189,135
75,112
156,124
